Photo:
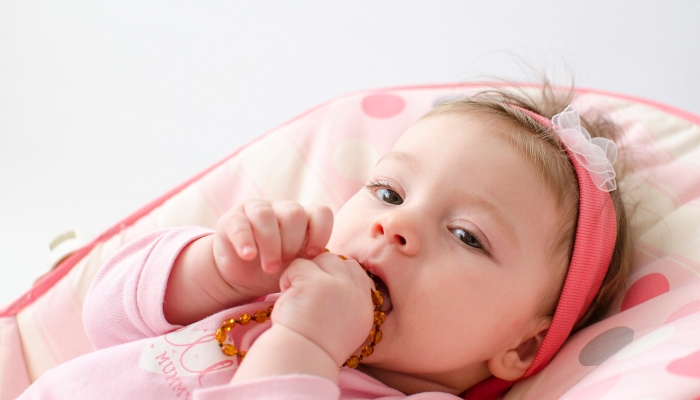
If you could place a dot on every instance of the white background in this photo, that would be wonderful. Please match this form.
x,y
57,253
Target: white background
x,y
104,105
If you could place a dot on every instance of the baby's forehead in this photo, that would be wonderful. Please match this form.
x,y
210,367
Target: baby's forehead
x,y
451,130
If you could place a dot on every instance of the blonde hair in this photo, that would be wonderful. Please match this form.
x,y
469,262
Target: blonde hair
x,y
542,146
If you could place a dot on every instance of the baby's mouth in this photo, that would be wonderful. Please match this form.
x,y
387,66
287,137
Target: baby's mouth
x,y
382,288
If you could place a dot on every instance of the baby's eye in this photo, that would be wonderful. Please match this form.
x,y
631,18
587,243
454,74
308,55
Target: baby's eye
x,y
384,191
389,196
467,237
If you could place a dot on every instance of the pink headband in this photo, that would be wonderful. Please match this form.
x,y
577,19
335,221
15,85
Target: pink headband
x,y
596,233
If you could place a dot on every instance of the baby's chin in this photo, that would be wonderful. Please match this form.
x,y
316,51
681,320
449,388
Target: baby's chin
x,y
412,383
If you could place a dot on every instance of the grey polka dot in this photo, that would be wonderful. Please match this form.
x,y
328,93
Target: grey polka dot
x,y
605,345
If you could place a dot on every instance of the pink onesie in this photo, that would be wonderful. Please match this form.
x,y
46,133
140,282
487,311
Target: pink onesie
x,y
139,355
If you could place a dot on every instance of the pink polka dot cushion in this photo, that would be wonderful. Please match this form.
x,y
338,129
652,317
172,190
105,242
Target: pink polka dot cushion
x,y
647,348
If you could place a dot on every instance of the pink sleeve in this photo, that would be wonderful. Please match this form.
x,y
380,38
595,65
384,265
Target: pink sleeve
x,y
125,300
283,387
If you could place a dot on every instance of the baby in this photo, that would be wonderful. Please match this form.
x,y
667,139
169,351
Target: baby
x,y
489,231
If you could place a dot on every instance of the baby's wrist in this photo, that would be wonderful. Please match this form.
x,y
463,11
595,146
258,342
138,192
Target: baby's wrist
x,y
194,289
206,273
282,351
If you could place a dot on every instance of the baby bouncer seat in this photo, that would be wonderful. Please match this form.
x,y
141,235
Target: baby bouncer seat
x,y
648,347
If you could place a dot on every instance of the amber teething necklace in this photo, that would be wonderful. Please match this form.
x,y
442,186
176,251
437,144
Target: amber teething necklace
x,y
375,335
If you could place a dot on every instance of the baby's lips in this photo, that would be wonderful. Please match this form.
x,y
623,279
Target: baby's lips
x,y
384,290
342,257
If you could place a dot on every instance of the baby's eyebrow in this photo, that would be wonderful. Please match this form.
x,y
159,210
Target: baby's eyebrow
x,y
492,209
401,157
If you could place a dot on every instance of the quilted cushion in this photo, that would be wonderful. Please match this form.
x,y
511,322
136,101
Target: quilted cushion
x,y
648,346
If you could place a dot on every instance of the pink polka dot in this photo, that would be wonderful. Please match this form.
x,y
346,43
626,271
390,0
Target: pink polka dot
x,y
383,105
690,308
645,288
595,390
686,366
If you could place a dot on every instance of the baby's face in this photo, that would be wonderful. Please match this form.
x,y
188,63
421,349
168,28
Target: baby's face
x,y
458,225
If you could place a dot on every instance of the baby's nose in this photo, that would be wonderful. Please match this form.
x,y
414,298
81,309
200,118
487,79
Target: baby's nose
x,y
399,232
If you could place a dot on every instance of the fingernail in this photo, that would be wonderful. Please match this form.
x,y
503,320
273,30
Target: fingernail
x,y
313,252
247,250
273,266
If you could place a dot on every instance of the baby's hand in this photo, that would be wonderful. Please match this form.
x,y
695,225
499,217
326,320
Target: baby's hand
x,y
328,301
255,241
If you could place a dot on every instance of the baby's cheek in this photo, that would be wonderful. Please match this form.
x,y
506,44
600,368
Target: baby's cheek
x,y
336,241
516,323
344,229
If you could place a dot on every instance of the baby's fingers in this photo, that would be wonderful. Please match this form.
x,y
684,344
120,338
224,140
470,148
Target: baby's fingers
x,y
236,229
292,221
266,233
297,269
344,268
319,229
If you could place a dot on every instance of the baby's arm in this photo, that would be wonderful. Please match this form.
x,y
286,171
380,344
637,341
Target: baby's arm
x,y
171,278
125,300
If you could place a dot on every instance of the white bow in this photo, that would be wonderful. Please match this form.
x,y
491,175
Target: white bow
x,y
597,155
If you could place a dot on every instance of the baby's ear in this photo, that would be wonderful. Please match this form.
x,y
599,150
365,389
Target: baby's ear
x,y
512,363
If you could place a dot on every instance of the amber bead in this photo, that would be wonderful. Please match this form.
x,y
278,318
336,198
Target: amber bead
x,y
342,257
377,298
228,325
353,362
220,335
244,319
375,336
229,349
260,316
379,317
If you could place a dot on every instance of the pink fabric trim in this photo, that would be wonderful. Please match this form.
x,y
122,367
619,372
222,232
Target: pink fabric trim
x,y
676,112
596,233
